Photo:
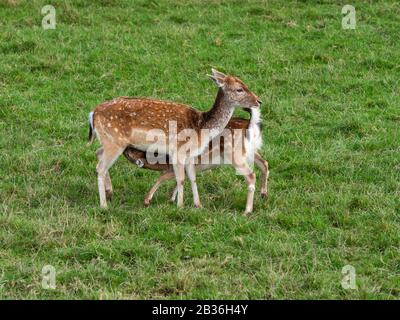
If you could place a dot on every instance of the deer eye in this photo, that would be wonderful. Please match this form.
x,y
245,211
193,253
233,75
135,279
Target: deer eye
x,y
239,90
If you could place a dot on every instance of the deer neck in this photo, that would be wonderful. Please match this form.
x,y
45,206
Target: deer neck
x,y
218,117
253,133
255,117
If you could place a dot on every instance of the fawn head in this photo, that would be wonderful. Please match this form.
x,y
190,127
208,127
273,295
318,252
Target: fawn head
x,y
235,91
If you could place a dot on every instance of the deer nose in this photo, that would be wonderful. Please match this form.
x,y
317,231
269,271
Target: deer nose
x,y
259,102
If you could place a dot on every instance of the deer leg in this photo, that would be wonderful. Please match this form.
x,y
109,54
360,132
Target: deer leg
x,y
191,172
106,160
179,170
263,166
174,193
251,182
108,184
165,176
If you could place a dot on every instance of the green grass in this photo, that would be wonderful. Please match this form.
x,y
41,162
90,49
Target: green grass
x,y
331,118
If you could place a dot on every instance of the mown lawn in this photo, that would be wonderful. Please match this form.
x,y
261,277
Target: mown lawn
x,y
331,131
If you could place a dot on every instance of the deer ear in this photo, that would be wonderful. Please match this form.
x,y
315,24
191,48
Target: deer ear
x,y
216,73
218,81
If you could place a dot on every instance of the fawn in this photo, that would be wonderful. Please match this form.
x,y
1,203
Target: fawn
x,y
127,121
253,144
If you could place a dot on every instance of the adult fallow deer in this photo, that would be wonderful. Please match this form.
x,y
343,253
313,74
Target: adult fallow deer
x,y
127,121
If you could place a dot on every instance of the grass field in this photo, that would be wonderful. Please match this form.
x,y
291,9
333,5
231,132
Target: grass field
x,y
331,135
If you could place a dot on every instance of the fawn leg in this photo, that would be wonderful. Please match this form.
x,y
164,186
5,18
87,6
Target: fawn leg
x,y
165,176
263,166
250,177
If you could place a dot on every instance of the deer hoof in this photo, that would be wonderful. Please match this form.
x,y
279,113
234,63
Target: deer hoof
x,y
264,195
198,206
109,195
246,213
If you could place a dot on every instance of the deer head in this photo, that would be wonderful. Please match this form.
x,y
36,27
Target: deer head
x,y
235,91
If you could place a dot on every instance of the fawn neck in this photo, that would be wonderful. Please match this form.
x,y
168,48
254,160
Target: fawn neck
x,y
218,117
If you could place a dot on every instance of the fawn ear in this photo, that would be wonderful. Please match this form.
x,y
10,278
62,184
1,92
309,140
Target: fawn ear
x,y
220,82
218,74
